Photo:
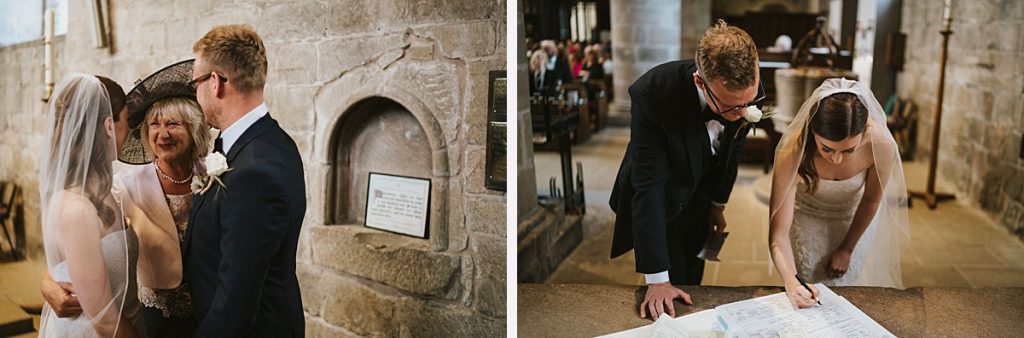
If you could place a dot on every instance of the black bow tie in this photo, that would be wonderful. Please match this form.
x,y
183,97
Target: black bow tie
x,y
708,115
218,145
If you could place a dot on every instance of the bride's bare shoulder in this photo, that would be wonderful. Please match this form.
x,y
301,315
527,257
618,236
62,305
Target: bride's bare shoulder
x,y
71,205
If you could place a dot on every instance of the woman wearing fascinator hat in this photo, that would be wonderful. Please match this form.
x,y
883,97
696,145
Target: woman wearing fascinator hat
x,y
167,138
838,200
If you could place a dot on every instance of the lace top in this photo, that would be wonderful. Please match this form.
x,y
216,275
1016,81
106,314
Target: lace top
x,y
175,302
820,223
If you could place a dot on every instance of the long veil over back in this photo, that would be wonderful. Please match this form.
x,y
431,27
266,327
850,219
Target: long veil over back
x,y
83,228
882,266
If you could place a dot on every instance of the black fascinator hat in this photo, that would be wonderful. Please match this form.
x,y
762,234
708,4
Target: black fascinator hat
x,y
171,81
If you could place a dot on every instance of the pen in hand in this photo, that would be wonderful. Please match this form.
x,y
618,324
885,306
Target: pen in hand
x,y
804,283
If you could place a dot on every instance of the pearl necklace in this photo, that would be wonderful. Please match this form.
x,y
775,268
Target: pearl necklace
x,y
182,181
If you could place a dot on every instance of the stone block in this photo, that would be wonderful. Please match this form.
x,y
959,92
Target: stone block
x,y
476,159
405,13
151,39
292,63
438,85
421,319
458,235
662,36
292,21
292,106
639,35
485,214
229,15
349,17
478,95
490,277
402,262
420,51
310,282
464,40
316,328
357,307
337,56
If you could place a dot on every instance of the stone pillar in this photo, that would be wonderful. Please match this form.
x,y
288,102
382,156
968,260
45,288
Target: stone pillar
x,y
645,33
527,176
545,234
696,18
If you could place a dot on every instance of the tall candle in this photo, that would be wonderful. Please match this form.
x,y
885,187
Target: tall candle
x,y
48,35
946,10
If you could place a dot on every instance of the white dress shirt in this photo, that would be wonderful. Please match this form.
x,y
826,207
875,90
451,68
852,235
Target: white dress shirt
x,y
229,135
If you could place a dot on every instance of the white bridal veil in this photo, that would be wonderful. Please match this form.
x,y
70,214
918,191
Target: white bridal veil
x,y
83,228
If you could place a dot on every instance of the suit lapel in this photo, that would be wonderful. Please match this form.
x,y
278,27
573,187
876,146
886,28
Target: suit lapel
x,y
152,197
692,125
257,129
197,201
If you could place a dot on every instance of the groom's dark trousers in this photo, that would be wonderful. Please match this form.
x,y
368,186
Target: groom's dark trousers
x,y
668,176
239,248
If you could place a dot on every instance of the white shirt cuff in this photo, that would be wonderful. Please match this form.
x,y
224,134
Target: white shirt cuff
x,y
660,277
716,204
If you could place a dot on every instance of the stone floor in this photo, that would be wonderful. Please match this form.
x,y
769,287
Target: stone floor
x,y
956,245
19,285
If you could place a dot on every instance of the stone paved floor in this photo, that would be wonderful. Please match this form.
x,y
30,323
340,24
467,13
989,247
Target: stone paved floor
x,y
19,284
956,245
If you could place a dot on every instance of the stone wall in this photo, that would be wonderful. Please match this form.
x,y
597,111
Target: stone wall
x,y
644,34
983,108
431,57
729,8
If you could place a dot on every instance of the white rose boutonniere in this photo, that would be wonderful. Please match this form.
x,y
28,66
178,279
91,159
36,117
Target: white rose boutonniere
x,y
216,165
755,115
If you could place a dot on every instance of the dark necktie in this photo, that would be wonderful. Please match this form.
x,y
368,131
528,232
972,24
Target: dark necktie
x,y
218,145
708,115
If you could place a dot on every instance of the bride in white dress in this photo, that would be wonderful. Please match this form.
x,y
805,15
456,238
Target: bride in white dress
x,y
838,203
84,235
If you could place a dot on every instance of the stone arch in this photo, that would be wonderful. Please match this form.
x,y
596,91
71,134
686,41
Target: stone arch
x,y
395,122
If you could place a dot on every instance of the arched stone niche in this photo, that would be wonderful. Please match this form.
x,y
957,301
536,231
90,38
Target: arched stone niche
x,y
379,134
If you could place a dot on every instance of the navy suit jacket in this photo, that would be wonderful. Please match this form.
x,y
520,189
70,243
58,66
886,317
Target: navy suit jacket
x,y
239,249
664,163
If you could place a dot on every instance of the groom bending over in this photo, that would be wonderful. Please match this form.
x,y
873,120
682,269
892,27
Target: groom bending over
x,y
686,137
239,249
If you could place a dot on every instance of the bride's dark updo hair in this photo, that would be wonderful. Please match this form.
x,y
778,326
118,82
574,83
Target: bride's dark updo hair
x,y
836,117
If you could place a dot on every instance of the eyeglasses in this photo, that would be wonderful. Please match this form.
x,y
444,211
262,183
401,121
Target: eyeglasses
x,y
714,100
195,82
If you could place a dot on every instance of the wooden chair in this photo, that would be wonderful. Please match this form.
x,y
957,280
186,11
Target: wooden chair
x,y
8,198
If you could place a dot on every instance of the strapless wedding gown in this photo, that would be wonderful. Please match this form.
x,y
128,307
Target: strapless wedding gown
x,y
116,261
820,223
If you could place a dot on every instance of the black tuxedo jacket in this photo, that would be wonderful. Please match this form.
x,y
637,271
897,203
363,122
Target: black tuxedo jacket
x,y
665,162
239,249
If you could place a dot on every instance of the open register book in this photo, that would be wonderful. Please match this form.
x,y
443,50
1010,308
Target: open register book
x,y
768,316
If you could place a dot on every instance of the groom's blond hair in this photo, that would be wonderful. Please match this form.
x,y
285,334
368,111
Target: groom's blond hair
x,y
237,51
727,53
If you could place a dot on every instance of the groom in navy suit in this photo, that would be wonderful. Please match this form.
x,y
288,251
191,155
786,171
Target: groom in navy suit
x,y
239,248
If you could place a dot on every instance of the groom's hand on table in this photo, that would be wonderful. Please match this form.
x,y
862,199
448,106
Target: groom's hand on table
x,y
659,297
61,298
839,263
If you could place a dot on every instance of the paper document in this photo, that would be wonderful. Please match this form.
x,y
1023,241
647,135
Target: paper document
x,y
702,324
774,316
